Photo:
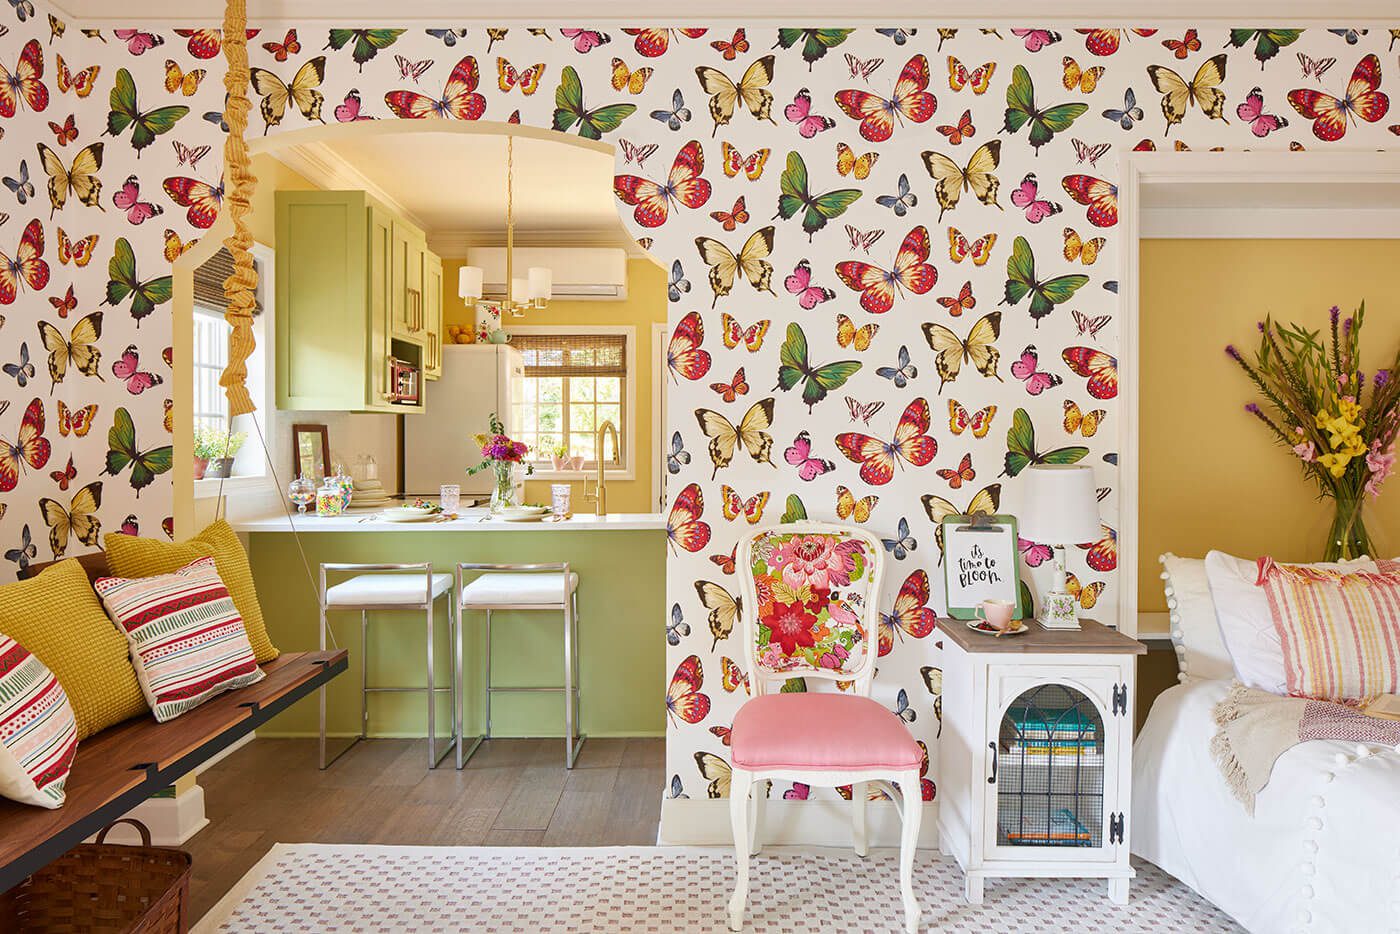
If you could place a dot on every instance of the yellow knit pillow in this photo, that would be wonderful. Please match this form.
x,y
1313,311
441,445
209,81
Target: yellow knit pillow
x,y
57,617
129,556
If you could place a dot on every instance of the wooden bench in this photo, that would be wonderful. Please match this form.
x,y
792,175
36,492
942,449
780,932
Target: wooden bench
x,y
122,766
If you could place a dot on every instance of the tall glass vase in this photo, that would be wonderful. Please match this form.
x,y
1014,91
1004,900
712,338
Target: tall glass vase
x,y
1348,539
503,497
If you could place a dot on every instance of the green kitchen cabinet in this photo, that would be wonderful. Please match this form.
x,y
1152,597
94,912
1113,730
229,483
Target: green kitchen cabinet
x,y
432,309
337,291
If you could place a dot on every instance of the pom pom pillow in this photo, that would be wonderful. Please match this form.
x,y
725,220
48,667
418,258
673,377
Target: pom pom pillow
x,y
1195,630
38,732
186,637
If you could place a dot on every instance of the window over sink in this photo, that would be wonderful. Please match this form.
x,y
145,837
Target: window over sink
x,y
575,380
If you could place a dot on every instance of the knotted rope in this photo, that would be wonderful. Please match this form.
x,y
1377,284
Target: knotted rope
x,y
240,287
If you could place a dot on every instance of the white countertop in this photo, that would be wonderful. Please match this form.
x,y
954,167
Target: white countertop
x,y
469,520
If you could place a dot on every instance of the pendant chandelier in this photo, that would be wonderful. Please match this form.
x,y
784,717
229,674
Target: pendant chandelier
x,y
531,291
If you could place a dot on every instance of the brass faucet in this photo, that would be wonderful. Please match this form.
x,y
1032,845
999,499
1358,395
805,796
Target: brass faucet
x,y
600,494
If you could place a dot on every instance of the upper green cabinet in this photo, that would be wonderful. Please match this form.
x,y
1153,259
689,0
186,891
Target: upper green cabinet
x,y
352,298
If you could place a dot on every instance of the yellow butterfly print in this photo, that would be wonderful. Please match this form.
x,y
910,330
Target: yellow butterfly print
x,y
979,348
847,162
848,335
1084,80
986,502
79,252
978,79
725,608
950,181
752,432
752,90
979,422
735,162
185,82
1086,595
716,771
1086,251
1086,423
848,507
980,250
79,520
735,333
733,505
1204,89
174,247
752,260
624,78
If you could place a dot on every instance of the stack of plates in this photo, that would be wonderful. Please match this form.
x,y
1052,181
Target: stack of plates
x,y
369,494
410,513
523,514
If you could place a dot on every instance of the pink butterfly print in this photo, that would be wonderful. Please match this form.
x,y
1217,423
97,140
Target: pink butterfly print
x,y
128,199
800,456
1037,381
809,296
1035,553
1252,112
349,112
137,41
800,113
1036,39
1025,197
585,39
863,411
127,369
130,525
798,792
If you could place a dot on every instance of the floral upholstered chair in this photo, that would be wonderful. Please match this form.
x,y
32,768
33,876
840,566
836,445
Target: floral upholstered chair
x,y
814,590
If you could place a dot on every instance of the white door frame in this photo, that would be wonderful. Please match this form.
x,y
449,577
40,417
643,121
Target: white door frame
x,y
1137,170
659,441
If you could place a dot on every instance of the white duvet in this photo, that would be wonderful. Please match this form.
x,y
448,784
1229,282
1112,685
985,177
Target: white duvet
x,y
1322,851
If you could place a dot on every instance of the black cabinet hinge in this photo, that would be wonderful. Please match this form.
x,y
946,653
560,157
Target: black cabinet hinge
x,y
1115,827
1120,699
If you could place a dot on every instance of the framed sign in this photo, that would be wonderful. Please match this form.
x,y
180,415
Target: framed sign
x,y
311,452
979,563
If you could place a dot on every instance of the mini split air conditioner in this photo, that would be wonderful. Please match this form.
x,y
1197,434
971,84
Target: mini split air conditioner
x,y
580,274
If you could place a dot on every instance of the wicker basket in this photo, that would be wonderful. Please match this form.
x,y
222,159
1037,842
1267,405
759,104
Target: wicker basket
x,y
104,888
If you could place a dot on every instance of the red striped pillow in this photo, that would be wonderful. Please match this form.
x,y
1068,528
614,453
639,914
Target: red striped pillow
x,y
38,732
186,638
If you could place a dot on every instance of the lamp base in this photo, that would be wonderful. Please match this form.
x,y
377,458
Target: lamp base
x,y
1059,611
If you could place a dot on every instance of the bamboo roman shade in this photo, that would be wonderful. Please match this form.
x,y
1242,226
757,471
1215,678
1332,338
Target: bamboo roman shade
x,y
209,279
573,354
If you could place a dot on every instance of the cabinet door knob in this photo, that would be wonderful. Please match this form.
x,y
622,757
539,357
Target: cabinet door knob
x,y
992,780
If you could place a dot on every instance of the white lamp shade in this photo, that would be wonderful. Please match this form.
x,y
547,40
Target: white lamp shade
x,y
469,281
1060,505
519,290
541,283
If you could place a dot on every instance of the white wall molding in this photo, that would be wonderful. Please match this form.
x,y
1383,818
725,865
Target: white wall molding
x,y
1268,224
327,168
454,244
171,821
705,822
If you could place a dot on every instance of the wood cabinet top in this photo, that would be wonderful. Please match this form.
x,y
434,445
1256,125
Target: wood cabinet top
x,y
1093,638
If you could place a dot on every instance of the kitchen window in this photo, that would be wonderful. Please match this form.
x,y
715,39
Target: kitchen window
x,y
574,382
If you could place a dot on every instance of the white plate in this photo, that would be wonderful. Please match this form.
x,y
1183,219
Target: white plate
x,y
523,512
408,514
982,626
422,517
527,517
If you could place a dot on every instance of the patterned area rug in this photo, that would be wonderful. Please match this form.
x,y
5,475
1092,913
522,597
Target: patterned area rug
x,y
335,888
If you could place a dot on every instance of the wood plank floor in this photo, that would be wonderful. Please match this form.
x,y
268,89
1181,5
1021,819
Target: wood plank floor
x,y
513,792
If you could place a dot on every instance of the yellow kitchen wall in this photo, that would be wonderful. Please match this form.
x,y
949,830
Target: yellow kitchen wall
x,y
645,306
1210,475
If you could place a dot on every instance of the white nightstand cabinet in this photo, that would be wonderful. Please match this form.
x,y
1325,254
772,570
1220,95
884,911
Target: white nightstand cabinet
x,y
1035,759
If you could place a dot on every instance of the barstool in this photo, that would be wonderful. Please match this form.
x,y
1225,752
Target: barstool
x,y
391,591
524,587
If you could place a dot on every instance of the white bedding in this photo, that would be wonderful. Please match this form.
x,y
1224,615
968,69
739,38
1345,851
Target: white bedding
x,y
1322,851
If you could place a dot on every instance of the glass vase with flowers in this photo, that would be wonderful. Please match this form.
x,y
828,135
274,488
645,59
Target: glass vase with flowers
x,y
504,458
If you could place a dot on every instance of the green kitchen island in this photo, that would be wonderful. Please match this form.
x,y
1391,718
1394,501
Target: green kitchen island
x,y
621,563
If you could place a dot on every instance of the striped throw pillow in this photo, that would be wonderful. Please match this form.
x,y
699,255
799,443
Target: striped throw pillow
x,y
38,732
1340,632
186,638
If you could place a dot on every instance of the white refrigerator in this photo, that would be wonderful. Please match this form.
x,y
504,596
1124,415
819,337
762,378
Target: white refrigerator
x,y
477,379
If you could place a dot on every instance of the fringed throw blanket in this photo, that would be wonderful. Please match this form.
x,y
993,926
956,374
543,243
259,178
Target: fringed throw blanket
x,y
1255,727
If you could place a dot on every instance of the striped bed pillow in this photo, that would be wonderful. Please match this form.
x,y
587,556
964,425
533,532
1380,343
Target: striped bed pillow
x,y
186,638
1340,632
38,732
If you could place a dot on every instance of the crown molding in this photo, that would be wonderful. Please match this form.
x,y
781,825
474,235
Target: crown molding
x,y
322,165
455,244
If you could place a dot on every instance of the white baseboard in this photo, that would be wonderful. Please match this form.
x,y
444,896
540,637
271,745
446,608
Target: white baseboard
x,y
171,821
705,822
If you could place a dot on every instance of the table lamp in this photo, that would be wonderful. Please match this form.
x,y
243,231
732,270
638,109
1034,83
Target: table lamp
x,y
1061,506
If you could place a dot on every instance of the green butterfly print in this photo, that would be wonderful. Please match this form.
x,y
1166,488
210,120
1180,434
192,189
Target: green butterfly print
x,y
794,367
815,42
819,209
795,511
368,42
124,113
1021,452
1267,42
1021,110
1021,281
122,282
569,109
122,453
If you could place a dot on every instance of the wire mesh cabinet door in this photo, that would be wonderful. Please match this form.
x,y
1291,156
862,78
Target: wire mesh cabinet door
x,y
1058,740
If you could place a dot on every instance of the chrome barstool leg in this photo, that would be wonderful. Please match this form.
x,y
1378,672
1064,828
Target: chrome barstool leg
x,y
573,732
364,675
431,695
322,690
488,674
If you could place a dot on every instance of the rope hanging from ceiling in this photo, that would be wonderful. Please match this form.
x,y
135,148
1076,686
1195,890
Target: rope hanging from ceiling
x,y
240,288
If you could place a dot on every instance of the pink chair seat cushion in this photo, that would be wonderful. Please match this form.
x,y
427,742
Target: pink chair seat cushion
x,y
836,732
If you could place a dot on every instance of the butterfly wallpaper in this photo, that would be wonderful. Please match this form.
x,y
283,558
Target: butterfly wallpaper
x,y
892,261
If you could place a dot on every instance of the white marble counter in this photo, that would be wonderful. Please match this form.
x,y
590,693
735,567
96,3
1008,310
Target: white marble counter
x,y
469,520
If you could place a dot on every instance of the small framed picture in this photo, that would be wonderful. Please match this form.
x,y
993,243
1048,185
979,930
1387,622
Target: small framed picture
x,y
311,451
979,563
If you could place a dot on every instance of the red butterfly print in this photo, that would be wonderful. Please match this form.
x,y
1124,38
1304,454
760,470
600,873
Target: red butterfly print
x,y
910,100
734,388
288,46
1106,41
683,185
203,43
78,423
79,82
979,422
65,132
878,286
28,266
732,48
65,476
507,76
1099,196
722,732
130,525
653,43
731,675
201,198
684,526
30,448
127,369
729,220
735,333
167,525
733,505
64,305
960,131
1185,45
459,98
78,252
24,84
1362,99
683,697
1103,554
963,301
726,563
964,473
978,79
684,355
910,613
878,458
1100,368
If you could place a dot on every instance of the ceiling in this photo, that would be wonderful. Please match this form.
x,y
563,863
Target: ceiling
x,y
454,186
686,12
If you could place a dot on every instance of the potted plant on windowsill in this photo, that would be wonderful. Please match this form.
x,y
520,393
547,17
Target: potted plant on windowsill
x,y
559,456
214,450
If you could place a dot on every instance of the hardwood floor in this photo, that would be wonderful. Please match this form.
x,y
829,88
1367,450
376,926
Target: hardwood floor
x,y
513,792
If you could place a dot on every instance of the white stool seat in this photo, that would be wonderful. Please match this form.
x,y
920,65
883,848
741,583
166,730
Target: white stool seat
x,y
386,590
519,589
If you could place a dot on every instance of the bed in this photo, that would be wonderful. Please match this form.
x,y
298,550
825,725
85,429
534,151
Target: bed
x,y
1322,851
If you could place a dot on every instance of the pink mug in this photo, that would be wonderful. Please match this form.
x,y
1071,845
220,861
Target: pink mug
x,y
997,613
